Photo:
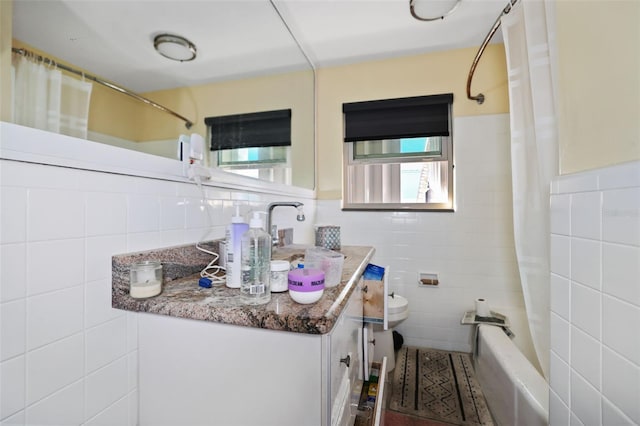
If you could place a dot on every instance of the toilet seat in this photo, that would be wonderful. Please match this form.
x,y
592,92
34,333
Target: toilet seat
x,y
397,310
397,304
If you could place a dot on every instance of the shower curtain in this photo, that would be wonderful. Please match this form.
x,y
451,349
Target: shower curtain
x,y
529,37
46,99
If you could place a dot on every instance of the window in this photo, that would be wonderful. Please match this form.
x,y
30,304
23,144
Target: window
x,y
254,144
398,154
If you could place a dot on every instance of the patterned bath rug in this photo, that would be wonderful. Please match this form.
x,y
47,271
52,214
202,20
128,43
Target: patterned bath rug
x,y
438,385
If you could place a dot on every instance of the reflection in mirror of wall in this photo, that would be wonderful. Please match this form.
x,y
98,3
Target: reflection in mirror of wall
x,y
247,61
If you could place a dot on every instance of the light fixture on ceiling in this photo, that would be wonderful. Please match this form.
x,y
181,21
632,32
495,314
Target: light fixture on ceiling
x,y
432,10
175,47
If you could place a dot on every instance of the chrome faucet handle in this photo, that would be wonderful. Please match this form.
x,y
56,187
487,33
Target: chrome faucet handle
x,y
274,235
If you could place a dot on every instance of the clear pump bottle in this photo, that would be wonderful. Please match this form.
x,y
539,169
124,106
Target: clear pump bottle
x,y
255,287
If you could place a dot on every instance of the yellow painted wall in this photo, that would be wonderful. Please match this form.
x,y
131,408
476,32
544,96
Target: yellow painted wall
x,y
599,83
428,74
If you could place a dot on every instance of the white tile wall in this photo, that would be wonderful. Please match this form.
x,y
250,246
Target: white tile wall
x,y
595,378
66,356
471,250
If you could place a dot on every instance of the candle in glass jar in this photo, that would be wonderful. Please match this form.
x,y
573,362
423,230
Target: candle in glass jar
x,y
145,279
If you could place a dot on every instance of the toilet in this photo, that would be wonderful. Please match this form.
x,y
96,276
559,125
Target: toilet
x,y
398,311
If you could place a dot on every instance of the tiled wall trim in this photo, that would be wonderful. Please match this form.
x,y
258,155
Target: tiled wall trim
x,y
595,297
66,356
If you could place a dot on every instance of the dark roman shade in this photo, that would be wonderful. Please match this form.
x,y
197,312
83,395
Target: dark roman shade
x,y
258,129
417,116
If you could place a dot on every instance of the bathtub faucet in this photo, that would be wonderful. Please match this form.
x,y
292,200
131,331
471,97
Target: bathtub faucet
x,y
273,229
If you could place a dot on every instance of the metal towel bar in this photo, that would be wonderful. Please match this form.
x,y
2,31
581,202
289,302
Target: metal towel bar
x,y
480,97
188,123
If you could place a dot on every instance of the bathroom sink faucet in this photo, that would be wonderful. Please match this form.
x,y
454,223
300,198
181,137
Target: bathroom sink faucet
x,y
273,229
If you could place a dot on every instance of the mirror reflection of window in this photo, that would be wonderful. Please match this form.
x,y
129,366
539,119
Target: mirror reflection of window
x,y
257,144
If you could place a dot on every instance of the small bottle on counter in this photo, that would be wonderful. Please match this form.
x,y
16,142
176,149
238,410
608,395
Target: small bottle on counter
x,y
255,287
233,239
279,275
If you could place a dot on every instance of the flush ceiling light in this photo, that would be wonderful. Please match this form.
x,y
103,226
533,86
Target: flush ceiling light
x,y
432,10
175,47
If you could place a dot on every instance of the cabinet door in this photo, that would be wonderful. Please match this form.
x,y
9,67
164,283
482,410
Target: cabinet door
x,y
375,300
344,360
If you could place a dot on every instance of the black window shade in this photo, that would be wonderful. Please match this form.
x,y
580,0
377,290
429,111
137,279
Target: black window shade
x,y
397,118
259,129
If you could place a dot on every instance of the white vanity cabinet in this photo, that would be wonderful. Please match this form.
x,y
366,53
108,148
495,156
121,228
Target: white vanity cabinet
x,y
204,373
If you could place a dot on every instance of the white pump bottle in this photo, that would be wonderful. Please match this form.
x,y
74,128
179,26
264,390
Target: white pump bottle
x,y
233,237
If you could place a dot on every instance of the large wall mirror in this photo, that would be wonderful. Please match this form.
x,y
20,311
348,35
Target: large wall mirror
x,y
247,61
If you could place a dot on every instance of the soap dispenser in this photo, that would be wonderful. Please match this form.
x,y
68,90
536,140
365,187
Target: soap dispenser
x,y
255,287
233,237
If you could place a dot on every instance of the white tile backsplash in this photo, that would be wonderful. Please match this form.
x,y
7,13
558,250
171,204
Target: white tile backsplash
x,y
106,386
172,213
561,337
13,273
621,216
13,220
54,265
98,303
586,215
560,262
618,318
560,376
105,343
115,414
66,355
585,356
621,271
603,299
143,213
585,401
585,262
611,415
12,329
558,411
62,408
55,214
12,386
560,214
46,322
560,295
585,309
98,255
52,367
621,383
106,214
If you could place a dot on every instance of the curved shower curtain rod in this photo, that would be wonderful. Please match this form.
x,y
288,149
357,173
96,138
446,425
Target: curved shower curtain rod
x,y
188,123
480,97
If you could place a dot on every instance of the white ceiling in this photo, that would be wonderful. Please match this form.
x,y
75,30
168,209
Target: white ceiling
x,y
239,38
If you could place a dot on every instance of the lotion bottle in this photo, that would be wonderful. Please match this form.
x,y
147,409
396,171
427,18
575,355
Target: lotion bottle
x,y
233,237
255,287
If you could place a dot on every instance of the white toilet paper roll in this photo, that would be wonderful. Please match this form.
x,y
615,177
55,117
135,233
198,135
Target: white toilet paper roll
x,y
482,308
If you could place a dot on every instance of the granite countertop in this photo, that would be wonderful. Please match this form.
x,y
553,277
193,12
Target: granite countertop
x,y
183,297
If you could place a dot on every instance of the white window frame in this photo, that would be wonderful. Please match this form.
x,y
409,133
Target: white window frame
x,y
391,175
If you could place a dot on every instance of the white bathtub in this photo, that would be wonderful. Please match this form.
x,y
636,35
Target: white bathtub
x,y
516,392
